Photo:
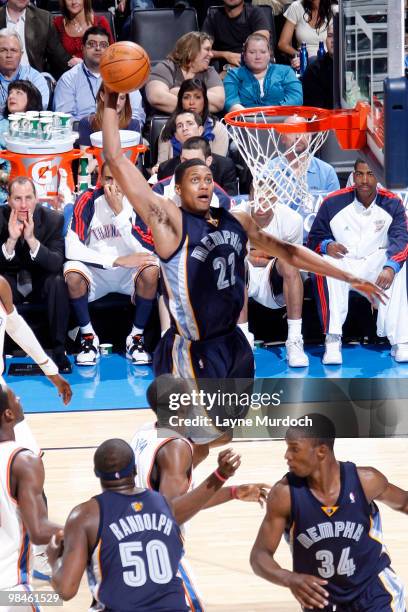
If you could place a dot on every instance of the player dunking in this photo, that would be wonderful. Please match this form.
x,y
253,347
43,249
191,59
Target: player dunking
x,y
202,258
131,536
327,509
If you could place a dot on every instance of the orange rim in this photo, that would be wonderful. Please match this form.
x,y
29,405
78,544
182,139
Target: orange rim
x,y
350,125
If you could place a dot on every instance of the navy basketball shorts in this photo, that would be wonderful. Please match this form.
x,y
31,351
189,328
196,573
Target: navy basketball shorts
x,y
228,356
385,593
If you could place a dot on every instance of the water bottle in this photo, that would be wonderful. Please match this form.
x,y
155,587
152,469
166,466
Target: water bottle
x,y
304,58
322,51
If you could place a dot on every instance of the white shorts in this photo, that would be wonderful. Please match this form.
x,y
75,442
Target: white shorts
x,y
265,286
101,282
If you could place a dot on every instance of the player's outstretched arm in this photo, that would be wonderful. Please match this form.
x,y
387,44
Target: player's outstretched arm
x,y
376,487
186,506
69,550
27,479
308,590
303,258
160,214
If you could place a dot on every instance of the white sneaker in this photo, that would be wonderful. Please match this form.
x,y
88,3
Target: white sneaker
x,y
400,352
295,355
89,353
41,567
135,350
332,354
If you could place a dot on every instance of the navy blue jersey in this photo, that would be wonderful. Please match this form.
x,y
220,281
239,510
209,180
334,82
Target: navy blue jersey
x,y
135,561
341,543
204,280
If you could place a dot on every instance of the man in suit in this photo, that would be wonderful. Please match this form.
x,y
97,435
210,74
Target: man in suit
x,y
31,259
42,45
223,168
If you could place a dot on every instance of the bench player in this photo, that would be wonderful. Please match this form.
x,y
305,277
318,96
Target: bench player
x,y
326,507
202,258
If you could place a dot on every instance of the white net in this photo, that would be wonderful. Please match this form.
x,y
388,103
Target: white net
x,y
278,161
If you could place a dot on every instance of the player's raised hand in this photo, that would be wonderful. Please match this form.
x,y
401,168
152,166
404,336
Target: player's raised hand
x,y
253,492
370,290
309,590
228,463
385,278
63,386
336,250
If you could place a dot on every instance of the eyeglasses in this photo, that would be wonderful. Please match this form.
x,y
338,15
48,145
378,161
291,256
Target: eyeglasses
x,y
92,44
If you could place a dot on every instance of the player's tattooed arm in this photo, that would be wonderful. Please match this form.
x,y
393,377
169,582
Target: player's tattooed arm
x,y
376,487
308,590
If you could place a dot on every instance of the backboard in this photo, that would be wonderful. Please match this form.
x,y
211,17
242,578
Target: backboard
x,y
370,66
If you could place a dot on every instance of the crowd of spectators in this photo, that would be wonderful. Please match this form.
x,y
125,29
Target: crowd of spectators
x,y
227,66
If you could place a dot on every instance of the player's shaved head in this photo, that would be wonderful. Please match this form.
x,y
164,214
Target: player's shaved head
x,y
161,391
321,430
4,398
113,456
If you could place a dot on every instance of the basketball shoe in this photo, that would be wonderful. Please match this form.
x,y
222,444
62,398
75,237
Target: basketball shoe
x,y
332,354
135,350
295,354
400,352
89,352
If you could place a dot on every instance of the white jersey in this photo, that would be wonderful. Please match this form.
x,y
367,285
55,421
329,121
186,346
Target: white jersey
x,y
3,323
286,223
146,444
15,547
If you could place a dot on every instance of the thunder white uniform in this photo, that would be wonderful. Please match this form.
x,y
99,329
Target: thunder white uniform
x,y
95,239
15,547
146,444
286,224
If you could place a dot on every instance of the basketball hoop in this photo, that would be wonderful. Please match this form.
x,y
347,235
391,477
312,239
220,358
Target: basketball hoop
x,y
278,143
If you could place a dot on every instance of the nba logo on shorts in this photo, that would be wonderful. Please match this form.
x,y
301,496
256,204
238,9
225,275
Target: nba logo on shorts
x,y
352,498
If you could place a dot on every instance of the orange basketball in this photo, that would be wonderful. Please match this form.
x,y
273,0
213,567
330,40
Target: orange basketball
x,y
125,66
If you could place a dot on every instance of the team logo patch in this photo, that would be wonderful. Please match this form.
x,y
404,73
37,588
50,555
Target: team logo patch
x,y
329,510
137,506
214,222
378,225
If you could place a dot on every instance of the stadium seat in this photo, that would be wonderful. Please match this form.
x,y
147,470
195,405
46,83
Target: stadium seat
x,y
157,30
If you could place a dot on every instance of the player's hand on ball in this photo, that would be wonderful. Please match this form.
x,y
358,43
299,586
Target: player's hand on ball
x,y
370,290
385,278
336,250
228,463
253,493
55,547
309,590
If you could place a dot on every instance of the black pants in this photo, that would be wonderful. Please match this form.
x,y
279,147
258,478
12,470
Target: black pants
x,y
50,289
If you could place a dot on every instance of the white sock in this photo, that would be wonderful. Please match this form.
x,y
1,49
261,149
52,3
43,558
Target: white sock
x,y
87,329
333,337
244,327
294,329
136,331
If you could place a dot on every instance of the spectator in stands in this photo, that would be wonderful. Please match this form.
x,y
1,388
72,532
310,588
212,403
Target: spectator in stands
x,y
107,255
198,148
11,68
189,59
318,78
223,168
363,229
93,123
308,20
22,96
31,259
192,96
259,82
76,90
230,25
272,282
77,16
40,43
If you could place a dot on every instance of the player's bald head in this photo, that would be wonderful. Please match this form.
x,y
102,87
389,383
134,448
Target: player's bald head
x,y
113,456
4,398
318,428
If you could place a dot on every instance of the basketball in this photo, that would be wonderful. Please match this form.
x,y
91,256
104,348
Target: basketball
x,y
125,66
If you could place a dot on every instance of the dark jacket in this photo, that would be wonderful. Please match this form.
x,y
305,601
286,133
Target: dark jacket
x,y
41,41
48,226
318,83
223,170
